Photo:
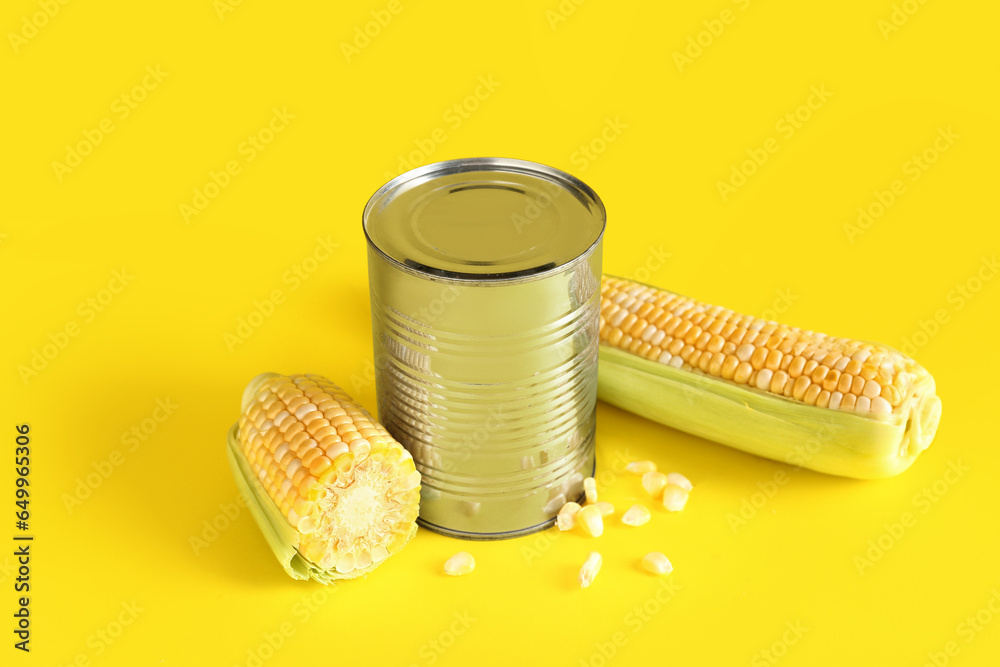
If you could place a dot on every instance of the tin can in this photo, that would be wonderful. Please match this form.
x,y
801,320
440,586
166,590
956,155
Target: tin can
x,y
485,296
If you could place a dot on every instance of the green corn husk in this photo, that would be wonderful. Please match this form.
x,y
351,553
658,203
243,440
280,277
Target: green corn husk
x,y
282,539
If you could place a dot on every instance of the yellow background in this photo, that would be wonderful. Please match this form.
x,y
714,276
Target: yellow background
x,y
779,244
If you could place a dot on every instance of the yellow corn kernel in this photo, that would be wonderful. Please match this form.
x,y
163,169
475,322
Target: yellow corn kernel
x,y
591,519
656,563
459,564
349,502
590,569
590,490
606,508
674,498
640,467
636,515
680,480
653,483
566,518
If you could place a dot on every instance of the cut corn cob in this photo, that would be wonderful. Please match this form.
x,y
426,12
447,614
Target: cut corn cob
x,y
836,405
333,492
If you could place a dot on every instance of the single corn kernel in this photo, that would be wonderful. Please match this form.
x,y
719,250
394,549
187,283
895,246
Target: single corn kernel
x,y
605,507
459,564
674,498
656,563
590,569
653,483
566,518
590,489
640,467
636,515
680,480
591,519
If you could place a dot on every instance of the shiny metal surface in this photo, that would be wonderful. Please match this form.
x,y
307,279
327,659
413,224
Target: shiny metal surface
x,y
485,312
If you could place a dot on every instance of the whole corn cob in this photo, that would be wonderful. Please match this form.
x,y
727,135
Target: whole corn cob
x,y
333,492
836,405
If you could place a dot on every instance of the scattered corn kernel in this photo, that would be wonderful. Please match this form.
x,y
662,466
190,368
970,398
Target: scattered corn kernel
x,y
680,480
653,483
459,564
656,563
591,519
590,489
636,515
674,498
590,569
566,518
605,507
641,467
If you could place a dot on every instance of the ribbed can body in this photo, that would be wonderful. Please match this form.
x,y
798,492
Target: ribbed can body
x,y
492,386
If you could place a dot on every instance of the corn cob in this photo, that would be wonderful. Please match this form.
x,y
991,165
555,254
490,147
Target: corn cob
x,y
835,405
333,492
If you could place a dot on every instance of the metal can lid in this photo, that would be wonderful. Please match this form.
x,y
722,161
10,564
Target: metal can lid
x,y
484,219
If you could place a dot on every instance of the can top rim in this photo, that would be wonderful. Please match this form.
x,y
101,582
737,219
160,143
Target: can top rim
x,y
484,219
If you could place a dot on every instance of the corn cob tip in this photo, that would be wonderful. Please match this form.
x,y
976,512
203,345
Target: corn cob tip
x,y
253,387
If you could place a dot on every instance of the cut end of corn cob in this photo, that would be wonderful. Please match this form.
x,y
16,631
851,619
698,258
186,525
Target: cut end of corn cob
x,y
331,479
762,386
